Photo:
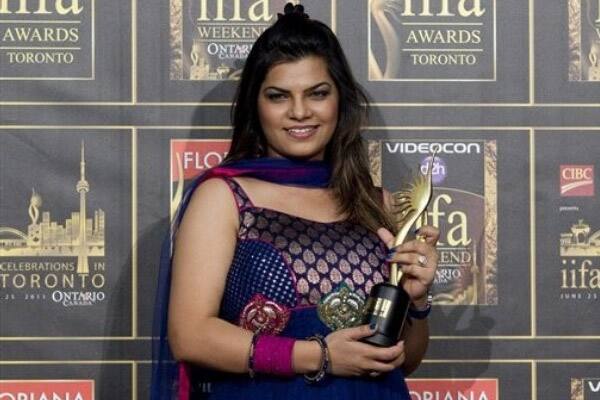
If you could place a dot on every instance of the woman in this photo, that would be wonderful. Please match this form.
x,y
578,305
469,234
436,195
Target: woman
x,y
286,230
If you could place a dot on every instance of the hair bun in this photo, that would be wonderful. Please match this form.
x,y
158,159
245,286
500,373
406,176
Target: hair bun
x,y
293,9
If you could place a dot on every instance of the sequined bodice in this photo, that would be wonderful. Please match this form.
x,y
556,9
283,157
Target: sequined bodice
x,y
294,262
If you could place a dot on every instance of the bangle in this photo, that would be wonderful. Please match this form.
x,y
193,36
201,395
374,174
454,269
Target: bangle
x,y
320,374
273,355
251,353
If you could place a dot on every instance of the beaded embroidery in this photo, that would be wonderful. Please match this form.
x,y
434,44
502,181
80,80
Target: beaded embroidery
x,y
264,316
341,309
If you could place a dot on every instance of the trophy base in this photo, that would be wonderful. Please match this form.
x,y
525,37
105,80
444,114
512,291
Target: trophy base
x,y
386,308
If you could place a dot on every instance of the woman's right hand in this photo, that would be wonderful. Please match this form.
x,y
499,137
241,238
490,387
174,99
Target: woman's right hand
x,y
348,356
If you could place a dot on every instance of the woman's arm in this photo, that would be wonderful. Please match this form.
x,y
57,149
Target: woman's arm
x,y
416,340
204,250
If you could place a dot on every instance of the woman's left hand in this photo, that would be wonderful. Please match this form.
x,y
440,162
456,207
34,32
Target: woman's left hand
x,y
417,259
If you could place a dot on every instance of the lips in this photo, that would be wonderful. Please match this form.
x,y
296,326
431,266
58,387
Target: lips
x,y
302,132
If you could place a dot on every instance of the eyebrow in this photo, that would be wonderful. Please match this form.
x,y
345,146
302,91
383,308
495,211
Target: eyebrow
x,y
307,90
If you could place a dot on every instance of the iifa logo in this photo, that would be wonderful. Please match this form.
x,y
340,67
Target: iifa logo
x,y
576,180
42,8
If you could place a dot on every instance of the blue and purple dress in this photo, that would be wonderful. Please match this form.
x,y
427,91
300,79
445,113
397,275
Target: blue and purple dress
x,y
297,278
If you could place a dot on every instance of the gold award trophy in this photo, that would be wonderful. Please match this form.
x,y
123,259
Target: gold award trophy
x,y
388,303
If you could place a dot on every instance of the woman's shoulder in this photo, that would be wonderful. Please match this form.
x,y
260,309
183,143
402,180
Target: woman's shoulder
x,y
212,187
214,195
211,212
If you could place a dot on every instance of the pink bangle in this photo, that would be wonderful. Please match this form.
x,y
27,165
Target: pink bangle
x,y
273,355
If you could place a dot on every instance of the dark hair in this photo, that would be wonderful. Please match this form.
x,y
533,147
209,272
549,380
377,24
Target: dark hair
x,y
292,37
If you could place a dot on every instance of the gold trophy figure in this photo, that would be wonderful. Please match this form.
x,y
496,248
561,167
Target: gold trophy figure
x,y
388,303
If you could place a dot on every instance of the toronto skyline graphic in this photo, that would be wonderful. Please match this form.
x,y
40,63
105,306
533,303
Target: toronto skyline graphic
x,y
79,236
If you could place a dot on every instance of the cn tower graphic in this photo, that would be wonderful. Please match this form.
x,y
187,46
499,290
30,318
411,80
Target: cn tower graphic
x,y
78,236
82,188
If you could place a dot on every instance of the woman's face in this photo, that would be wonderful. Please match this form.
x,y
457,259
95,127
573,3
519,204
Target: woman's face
x,y
298,108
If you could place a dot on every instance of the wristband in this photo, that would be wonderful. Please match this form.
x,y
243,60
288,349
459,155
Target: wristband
x,y
273,355
421,314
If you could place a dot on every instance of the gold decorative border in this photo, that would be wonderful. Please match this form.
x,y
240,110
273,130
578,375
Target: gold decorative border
x,y
375,161
574,24
578,389
176,39
490,264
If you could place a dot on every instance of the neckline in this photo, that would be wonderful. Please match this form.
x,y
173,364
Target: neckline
x,y
312,221
250,204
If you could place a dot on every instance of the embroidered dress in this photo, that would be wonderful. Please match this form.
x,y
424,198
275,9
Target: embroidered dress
x,y
296,277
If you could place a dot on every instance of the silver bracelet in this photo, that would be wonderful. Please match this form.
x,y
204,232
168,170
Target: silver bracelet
x,y
320,374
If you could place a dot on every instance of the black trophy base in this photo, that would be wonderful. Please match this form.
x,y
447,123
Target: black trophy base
x,y
386,309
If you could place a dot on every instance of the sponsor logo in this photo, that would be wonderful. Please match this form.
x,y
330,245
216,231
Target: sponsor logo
x,y
576,180
428,148
63,262
47,390
190,158
432,40
69,299
580,268
584,40
439,169
453,389
568,209
585,388
46,39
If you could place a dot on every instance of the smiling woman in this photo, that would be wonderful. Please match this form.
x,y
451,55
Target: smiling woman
x,y
277,248
298,109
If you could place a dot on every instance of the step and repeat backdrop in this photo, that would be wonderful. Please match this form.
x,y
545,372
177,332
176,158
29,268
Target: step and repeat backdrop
x,y
108,109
